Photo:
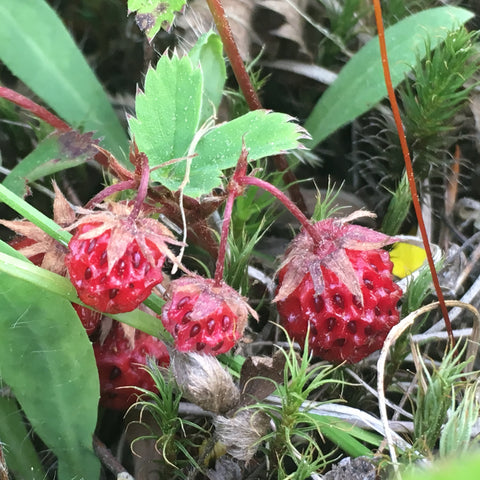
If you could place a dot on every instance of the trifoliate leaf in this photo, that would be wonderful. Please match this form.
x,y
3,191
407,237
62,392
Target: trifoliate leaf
x,y
167,126
168,111
264,133
152,15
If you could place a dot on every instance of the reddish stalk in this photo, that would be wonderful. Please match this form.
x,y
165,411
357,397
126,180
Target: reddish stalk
x,y
34,108
142,191
233,54
409,167
248,90
110,190
236,186
294,210
140,183
234,190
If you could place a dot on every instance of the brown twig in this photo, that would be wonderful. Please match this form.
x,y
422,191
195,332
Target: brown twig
x,y
409,167
107,458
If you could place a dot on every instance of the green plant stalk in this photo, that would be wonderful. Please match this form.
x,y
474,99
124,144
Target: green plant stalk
x,y
31,213
37,110
409,167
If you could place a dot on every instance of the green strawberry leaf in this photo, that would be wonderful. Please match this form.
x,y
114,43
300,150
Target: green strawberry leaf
x,y
208,54
168,112
360,84
152,15
264,133
47,360
57,152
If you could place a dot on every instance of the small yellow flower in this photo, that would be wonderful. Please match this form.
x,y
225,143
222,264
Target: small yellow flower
x,y
406,259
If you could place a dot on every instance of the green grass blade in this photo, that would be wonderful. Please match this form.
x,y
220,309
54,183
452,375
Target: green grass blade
x,y
55,153
360,84
37,48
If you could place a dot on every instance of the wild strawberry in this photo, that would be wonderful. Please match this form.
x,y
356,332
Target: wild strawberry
x,y
114,261
340,288
121,361
203,316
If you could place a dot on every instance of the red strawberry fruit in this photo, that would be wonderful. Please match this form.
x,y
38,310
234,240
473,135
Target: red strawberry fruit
x,y
340,288
204,316
121,360
114,261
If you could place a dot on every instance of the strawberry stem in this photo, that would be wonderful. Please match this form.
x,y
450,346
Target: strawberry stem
x,y
233,54
37,110
142,167
140,183
110,190
294,210
234,190
248,90
408,166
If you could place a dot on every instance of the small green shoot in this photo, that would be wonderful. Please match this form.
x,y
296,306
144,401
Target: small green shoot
x,y
297,433
435,394
174,444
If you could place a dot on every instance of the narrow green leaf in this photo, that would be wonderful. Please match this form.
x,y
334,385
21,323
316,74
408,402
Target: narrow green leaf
x,y
360,84
20,455
208,54
19,267
168,112
346,435
47,360
37,48
152,15
264,134
57,152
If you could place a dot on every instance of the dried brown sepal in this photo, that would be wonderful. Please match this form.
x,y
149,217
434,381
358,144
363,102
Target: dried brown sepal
x,y
41,243
115,217
304,255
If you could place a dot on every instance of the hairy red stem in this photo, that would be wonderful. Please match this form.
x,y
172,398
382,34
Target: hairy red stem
x,y
233,54
110,190
234,190
142,191
248,90
294,210
34,108
409,167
